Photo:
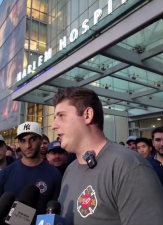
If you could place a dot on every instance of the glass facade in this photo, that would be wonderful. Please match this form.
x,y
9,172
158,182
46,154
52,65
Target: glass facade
x,y
48,120
36,30
9,136
35,113
66,15
12,31
143,127
43,23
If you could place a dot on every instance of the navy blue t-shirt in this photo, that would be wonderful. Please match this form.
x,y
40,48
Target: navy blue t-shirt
x,y
16,176
157,166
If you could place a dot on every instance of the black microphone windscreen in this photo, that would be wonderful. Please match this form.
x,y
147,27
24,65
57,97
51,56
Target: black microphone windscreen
x,y
53,207
6,201
30,196
54,204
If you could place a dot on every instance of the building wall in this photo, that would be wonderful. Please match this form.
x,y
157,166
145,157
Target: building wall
x,y
12,32
116,128
65,15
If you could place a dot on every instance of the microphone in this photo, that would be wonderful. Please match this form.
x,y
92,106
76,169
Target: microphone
x,y
53,207
6,202
52,217
89,157
23,210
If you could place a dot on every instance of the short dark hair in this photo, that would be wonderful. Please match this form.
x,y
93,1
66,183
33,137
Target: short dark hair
x,y
81,98
122,143
145,140
157,130
18,149
45,137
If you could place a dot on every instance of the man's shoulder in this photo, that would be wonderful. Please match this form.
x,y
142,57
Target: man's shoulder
x,y
72,165
50,168
150,158
10,167
9,160
120,155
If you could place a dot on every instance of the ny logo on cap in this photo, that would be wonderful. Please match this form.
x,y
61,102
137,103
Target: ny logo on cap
x,y
26,127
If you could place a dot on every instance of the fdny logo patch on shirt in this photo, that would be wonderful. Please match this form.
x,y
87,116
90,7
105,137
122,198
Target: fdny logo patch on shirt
x,y
42,186
87,202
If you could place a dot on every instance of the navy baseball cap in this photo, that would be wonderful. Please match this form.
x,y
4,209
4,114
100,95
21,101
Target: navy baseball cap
x,y
55,146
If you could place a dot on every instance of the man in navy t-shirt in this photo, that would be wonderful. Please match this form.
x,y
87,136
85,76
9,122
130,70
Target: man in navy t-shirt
x,y
31,169
156,160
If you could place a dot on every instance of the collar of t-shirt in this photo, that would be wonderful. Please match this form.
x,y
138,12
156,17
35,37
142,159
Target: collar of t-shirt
x,y
85,166
155,158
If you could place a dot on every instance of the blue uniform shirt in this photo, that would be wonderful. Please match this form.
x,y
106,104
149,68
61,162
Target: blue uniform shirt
x,y
157,166
16,176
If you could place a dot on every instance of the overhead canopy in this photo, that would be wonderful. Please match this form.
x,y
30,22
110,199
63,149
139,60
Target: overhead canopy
x,y
123,65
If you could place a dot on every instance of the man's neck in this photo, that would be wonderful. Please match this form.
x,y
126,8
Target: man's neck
x,y
95,144
43,156
159,158
3,163
31,162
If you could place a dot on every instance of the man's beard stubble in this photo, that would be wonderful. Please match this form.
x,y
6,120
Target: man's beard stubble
x,y
34,155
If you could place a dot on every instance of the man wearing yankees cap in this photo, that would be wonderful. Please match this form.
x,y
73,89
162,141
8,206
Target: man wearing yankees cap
x,y
31,169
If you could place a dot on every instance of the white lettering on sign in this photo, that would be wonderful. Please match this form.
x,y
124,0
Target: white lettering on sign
x,y
63,43
29,70
97,16
40,60
24,73
33,67
48,55
85,25
110,6
74,35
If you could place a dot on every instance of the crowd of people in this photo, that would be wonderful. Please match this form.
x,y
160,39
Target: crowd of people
x,y
122,187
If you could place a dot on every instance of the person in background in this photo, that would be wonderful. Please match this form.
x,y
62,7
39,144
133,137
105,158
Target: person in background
x,y
153,148
156,160
131,142
70,158
9,151
4,160
44,146
31,169
19,153
57,156
121,143
143,146
14,149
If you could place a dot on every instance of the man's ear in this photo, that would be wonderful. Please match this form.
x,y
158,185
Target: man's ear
x,y
88,115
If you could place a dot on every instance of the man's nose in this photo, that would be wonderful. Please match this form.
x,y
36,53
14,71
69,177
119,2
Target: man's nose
x,y
28,145
54,125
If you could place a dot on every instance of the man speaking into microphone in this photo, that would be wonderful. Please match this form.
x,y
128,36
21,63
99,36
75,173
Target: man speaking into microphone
x,y
107,184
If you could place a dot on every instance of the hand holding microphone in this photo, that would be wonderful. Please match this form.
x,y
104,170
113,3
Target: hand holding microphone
x,y
52,217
